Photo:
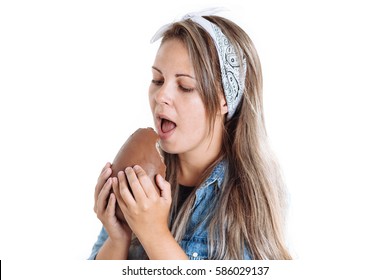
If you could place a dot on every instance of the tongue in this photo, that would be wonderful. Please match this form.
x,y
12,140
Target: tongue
x,y
167,126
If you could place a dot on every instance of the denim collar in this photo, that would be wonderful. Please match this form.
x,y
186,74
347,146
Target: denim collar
x,y
217,175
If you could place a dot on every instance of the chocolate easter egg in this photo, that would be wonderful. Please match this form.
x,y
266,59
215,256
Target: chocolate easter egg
x,y
139,149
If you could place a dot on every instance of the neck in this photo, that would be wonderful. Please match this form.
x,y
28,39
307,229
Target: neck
x,y
193,164
191,168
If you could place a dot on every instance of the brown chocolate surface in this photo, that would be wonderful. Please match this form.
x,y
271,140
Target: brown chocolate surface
x,y
139,149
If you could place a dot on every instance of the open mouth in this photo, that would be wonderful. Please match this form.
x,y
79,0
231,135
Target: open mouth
x,y
167,125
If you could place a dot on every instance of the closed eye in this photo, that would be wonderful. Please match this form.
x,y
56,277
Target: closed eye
x,y
158,82
185,89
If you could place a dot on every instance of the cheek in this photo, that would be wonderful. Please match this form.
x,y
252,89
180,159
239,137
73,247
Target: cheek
x,y
198,108
152,102
195,113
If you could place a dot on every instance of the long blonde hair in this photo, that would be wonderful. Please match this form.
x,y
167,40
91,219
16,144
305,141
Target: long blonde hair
x,y
249,212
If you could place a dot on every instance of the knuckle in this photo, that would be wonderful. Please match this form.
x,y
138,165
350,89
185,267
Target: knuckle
x,y
122,186
122,181
135,212
144,207
133,181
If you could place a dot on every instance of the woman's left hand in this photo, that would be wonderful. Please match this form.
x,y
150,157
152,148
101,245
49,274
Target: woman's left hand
x,y
146,210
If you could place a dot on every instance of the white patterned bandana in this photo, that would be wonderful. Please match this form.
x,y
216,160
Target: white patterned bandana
x,y
233,77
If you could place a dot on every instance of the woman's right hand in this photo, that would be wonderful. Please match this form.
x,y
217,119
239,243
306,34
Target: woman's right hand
x,y
105,201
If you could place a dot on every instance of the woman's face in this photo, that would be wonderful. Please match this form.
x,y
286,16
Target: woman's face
x,y
178,111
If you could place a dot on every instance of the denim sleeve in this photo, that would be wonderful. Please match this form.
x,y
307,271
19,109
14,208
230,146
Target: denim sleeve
x,y
247,255
98,244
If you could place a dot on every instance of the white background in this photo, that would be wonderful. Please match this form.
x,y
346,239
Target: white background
x,y
74,77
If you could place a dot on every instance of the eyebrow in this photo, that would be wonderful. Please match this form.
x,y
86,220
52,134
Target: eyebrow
x,y
176,75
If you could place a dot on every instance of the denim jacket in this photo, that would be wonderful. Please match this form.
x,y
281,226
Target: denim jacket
x,y
195,240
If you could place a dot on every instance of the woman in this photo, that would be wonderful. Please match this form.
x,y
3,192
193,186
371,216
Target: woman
x,y
223,196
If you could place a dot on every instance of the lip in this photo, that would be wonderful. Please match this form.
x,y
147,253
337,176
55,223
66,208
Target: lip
x,y
161,134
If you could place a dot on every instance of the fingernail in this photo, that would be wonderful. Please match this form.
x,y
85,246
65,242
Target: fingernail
x,y
127,169
137,168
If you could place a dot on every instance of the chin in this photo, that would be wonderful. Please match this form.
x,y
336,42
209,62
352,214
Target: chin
x,y
169,148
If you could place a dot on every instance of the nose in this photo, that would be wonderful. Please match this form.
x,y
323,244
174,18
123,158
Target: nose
x,y
163,94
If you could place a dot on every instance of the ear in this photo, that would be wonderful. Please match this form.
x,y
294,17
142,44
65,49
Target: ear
x,y
223,105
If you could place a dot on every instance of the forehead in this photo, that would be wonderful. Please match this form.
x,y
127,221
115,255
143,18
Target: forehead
x,y
173,54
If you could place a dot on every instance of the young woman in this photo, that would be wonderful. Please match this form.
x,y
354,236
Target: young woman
x,y
223,197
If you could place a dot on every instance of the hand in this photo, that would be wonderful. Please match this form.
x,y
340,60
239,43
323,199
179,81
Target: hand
x,y
147,210
105,200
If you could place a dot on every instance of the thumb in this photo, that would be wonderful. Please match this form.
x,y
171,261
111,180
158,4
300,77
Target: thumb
x,y
164,186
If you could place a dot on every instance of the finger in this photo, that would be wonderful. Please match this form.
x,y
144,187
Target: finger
x,y
115,187
135,185
111,205
165,188
106,169
108,164
104,175
126,198
145,182
101,203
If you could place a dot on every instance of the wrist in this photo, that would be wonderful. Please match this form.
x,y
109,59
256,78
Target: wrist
x,y
113,250
118,243
163,246
156,235
155,239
